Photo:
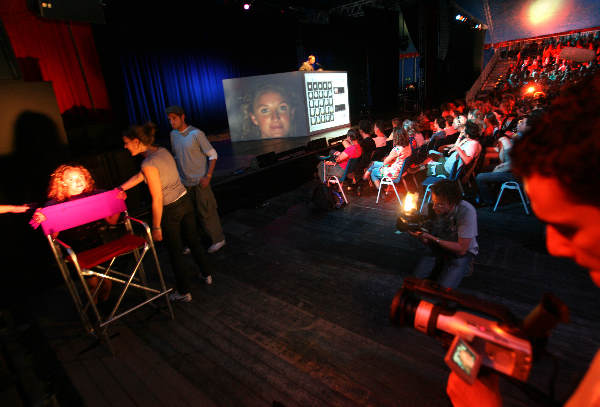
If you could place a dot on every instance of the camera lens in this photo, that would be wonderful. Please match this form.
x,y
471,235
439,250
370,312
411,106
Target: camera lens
x,y
403,308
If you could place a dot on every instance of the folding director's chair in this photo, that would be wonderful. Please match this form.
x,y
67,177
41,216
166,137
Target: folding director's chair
x,y
98,261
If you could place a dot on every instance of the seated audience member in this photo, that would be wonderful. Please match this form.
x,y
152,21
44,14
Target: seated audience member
x,y
423,125
466,149
509,123
491,129
392,164
452,237
337,165
501,173
450,130
415,138
380,138
67,183
448,110
477,117
459,123
396,123
367,144
555,159
365,129
439,134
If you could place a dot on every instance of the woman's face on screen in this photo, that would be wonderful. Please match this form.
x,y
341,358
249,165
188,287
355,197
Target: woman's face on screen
x,y
272,114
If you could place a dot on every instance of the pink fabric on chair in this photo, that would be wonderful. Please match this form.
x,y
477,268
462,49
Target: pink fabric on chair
x,y
80,211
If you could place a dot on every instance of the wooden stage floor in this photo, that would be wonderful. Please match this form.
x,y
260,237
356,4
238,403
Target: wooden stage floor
x,y
298,316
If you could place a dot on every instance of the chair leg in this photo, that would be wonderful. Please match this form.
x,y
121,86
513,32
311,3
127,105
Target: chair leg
x,y
397,196
425,198
334,180
499,196
341,188
133,273
378,192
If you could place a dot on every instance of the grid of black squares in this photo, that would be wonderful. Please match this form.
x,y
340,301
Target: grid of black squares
x,y
320,102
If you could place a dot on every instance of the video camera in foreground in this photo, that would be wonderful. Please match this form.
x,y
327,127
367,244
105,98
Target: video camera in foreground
x,y
478,332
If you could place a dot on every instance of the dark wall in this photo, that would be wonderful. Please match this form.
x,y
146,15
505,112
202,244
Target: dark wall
x,y
365,47
249,43
447,72
462,65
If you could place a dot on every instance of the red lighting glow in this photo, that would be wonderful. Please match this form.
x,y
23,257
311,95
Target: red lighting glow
x,y
530,89
246,6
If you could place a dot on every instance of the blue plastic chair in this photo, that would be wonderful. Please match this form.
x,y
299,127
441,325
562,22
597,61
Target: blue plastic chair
x,y
515,186
433,179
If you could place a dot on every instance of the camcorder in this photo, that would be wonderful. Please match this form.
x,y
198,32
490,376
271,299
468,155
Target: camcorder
x,y
411,222
476,332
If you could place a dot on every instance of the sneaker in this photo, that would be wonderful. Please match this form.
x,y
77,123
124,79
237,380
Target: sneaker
x,y
207,279
175,296
216,246
186,250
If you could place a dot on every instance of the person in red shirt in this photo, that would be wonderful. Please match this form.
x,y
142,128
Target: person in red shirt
x,y
337,165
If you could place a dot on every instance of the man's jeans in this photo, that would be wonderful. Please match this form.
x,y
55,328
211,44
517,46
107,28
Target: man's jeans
x,y
448,271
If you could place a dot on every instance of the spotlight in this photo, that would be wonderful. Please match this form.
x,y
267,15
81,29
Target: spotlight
x,y
530,89
458,17
246,6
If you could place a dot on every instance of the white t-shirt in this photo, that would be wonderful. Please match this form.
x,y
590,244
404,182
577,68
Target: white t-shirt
x,y
471,148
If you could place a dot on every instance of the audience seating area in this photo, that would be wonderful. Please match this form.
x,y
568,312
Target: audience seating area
x,y
537,76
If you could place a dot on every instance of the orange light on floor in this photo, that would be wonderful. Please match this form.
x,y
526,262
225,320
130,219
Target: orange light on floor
x,y
410,203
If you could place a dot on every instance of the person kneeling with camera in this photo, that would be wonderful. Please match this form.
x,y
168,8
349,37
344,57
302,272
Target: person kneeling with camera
x,y
451,236
565,197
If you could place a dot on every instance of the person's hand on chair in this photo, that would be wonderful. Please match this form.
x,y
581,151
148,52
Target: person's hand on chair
x,y
38,217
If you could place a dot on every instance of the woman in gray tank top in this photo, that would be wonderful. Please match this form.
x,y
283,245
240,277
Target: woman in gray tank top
x,y
172,208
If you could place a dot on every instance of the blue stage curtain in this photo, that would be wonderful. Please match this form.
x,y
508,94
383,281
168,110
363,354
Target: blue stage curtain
x,y
194,82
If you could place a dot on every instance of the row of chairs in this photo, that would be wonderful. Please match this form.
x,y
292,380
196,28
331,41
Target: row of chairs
x,y
463,175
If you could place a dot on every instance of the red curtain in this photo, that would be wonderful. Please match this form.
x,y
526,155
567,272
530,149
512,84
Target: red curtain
x,y
51,44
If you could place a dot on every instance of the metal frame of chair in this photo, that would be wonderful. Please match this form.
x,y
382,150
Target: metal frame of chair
x,y
391,182
99,261
514,185
332,179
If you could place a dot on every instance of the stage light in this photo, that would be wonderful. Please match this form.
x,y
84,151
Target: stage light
x,y
530,89
542,10
246,6
458,16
